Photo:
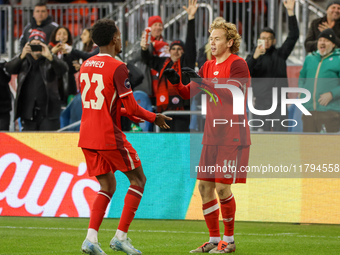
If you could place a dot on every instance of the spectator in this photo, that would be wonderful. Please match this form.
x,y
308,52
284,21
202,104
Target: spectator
x,y
88,45
320,75
5,98
181,55
269,63
41,20
37,102
61,37
331,20
89,48
159,47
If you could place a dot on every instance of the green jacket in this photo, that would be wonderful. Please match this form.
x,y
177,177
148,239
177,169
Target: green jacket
x,y
320,75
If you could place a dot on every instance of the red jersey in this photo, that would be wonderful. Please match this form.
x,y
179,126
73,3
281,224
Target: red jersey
x,y
235,129
104,84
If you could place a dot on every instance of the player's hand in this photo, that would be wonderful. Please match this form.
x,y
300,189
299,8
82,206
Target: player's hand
x,y
190,72
172,76
325,98
160,121
191,9
260,50
323,26
27,49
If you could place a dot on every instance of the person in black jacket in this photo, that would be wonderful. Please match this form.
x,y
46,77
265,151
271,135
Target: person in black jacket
x,y
181,55
37,102
269,63
331,20
5,98
41,20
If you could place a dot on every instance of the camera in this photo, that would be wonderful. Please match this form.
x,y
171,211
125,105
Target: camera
x,y
36,47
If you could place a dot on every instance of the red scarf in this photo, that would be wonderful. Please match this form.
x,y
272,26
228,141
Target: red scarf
x,y
165,88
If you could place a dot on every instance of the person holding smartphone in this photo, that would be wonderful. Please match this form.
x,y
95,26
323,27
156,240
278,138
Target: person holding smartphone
x,y
268,69
37,102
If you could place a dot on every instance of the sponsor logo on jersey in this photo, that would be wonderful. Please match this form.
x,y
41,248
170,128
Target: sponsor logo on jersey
x,y
175,100
216,72
127,84
228,176
137,157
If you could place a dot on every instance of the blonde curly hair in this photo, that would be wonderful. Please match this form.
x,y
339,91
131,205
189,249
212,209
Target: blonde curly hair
x,y
231,32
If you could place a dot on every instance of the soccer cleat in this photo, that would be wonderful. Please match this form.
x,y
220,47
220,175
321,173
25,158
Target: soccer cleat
x,y
224,247
124,246
204,248
92,248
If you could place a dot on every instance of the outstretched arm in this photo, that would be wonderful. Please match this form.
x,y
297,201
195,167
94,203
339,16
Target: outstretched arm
x,y
132,118
133,109
185,91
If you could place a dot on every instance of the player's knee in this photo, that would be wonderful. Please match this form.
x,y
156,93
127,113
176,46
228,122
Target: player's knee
x,y
112,189
109,187
140,181
205,190
223,192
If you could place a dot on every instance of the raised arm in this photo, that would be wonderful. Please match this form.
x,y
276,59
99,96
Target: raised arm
x,y
293,34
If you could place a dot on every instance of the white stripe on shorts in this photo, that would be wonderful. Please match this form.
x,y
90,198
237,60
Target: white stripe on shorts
x,y
131,161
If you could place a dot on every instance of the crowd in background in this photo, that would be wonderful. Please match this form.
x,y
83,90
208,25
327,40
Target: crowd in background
x,y
47,96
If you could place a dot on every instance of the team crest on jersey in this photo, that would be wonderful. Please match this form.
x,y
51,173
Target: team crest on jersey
x,y
127,84
216,72
175,100
162,98
137,157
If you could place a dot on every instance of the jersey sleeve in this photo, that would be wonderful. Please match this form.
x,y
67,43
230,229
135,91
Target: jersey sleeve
x,y
134,109
121,81
239,74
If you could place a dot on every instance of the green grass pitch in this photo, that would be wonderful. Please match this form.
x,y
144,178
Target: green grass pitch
x,y
29,235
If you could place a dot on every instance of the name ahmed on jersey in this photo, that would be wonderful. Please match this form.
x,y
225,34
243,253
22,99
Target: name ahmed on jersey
x,y
93,63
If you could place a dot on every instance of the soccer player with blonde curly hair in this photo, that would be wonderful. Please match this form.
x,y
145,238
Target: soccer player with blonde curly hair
x,y
223,145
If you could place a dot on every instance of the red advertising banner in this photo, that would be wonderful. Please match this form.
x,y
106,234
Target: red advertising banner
x,y
34,183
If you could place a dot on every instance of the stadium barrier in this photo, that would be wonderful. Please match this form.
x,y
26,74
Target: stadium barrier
x,y
44,174
132,17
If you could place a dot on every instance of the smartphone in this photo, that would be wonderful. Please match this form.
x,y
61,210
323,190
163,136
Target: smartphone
x,y
36,47
261,42
148,35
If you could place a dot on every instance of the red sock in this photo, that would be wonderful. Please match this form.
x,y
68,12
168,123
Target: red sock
x,y
211,213
228,208
98,209
131,203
